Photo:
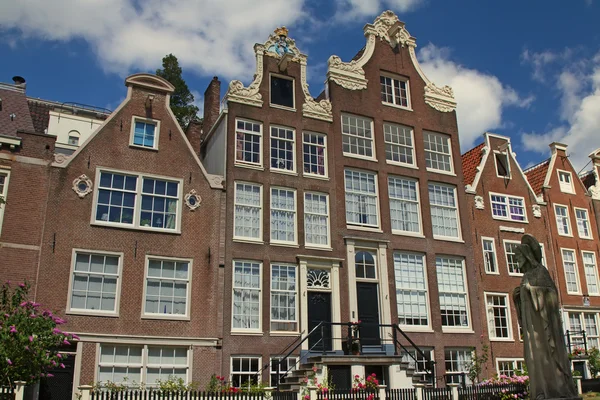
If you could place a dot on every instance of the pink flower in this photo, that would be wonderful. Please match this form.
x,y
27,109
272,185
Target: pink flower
x,y
31,338
21,285
49,375
59,355
8,361
314,368
75,337
61,365
13,329
66,342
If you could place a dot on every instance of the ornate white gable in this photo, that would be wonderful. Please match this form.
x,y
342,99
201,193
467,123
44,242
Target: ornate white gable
x,y
387,27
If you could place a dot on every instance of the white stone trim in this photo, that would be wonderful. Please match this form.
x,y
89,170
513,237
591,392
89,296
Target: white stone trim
x,y
89,186
192,194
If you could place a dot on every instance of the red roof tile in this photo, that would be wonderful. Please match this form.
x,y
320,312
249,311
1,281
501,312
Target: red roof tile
x,y
470,161
536,175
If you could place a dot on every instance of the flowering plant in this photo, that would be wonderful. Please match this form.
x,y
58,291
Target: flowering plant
x,y
368,384
311,380
29,337
505,394
578,351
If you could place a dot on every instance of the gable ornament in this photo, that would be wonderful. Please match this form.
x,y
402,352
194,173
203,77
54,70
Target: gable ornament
x,y
82,185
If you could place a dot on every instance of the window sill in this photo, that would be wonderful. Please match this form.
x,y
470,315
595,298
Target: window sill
x,y
314,176
283,171
364,228
396,106
91,313
309,247
515,274
251,241
502,340
249,166
135,228
413,329
440,171
280,334
457,330
280,107
564,235
292,245
574,293
359,157
409,234
137,146
167,317
586,238
448,239
247,333
399,164
509,220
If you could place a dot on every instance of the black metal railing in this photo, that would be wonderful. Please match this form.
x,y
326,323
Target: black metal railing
x,y
349,394
437,393
152,394
401,394
7,393
576,340
490,392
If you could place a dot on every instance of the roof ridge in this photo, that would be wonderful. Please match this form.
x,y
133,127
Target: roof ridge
x,y
546,161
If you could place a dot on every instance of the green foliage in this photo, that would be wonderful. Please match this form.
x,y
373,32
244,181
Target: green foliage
x,y
182,100
475,366
29,337
110,386
175,384
594,361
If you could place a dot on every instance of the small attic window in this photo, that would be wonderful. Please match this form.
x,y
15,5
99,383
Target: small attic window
x,y
282,91
0,104
502,167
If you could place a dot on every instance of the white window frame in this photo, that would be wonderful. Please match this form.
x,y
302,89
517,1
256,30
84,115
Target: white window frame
x,y
324,147
414,328
292,141
288,78
260,297
83,311
373,157
495,255
514,362
464,362
491,323
468,327
358,225
576,336
591,338
399,79
419,365
260,235
591,272
295,212
456,209
449,154
257,373
137,209
565,187
575,267
504,243
6,174
585,221
260,134
507,205
391,144
418,233
327,217
147,121
144,365
505,154
273,291
292,360
567,217
186,315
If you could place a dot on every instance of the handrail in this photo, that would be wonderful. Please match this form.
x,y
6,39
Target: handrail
x,y
280,353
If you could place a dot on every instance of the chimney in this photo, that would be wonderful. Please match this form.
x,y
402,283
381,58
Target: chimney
x,y
194,134
212,104
557,147
19,82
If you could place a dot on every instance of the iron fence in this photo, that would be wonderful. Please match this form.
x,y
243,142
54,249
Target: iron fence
x,y
401,394
490,392
437,394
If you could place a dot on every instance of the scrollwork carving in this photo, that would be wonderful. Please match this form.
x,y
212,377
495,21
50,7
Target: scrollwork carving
x,y
479,203
82,185
192,200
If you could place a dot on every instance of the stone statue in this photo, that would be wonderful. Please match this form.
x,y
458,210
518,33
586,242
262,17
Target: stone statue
x,y
536,301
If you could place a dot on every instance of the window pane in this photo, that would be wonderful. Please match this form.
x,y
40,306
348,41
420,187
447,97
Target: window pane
x,y
357,136
282,91
452,291
361,198
316,219
411,289
437,151
248,211
404,205
246,295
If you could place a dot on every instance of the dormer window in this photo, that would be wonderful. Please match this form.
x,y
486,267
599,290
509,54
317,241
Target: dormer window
x,y
74,138
502,166
144,133
282,91
395,91
566,182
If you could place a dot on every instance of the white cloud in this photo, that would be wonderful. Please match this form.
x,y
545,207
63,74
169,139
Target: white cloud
x,y
199,102
209,36
578,84
481,97
354,9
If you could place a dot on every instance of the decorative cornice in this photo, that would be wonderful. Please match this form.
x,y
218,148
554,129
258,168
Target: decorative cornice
x,y
250,95
192,200
479,203
537,211
311,108
511,229
595,189
82,185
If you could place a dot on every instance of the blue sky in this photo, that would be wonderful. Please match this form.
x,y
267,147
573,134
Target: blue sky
x,y
526,69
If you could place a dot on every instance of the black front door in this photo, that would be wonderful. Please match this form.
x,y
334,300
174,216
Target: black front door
x,y
319,310
59,386
368,313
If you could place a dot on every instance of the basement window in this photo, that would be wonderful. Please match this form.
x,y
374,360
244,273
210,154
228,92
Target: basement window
x,y
282,91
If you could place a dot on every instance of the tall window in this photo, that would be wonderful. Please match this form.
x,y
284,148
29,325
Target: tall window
x,y
411,289
422,365
95,282
576,329
591,274
591,329
404,205
361,198
444,210
3,192
284,306
394,91
248,137
498,313
279,368
167,283
246,295
399,146
117,203
510,248
282,149
562,220
283,215
583,223
457,361
314,146
570,266
248,211
282,91
453,291
577,326
145,133
438,154
565,181
510,367
142,364
316,219
508,207
244,370
489,255
364,263
502,166
357,136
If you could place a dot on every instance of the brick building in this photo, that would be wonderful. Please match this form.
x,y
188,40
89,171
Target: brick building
x,y
343,208
574,243
502,206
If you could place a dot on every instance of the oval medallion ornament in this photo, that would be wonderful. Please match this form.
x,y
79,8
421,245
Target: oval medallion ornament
x,y
192,200
82,186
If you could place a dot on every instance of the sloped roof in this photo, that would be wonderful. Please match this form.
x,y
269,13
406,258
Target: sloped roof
x,y
39,114
536,175
470,161
14,102
588,179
